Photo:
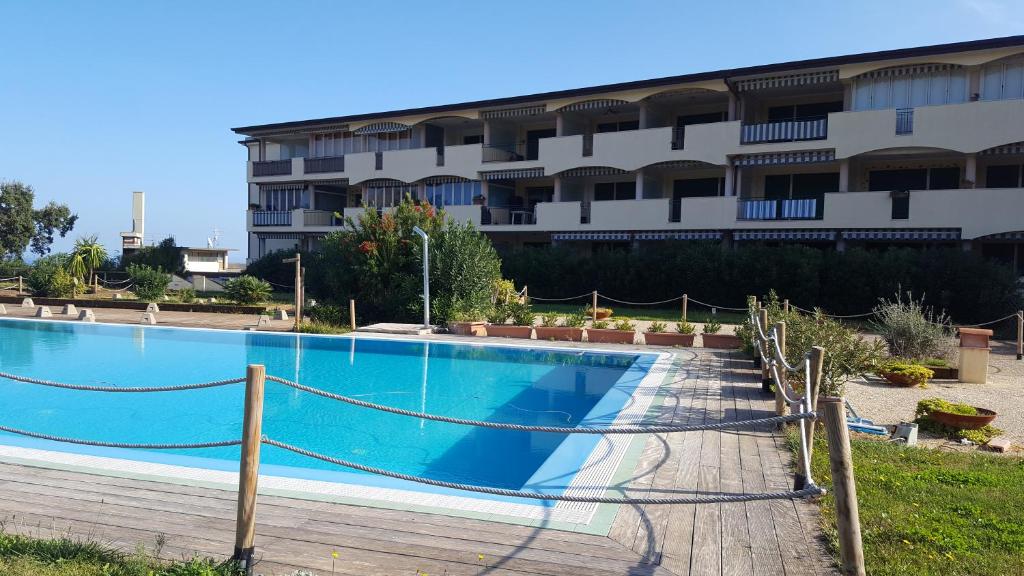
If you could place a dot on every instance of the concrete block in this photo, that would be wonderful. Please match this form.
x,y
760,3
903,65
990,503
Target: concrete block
x,y
3,309
43,312
116,296
152,308
264,320
212,300
148,318
69,310
86,316
28,303
280,314
1000,444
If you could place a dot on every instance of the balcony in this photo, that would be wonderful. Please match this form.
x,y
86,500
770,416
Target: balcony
x,y
503,153
796,209
272,167
785,131
320,218
904,121
271,218
323,164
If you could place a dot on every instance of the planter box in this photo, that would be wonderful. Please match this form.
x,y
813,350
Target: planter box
x,y
727,341
668,339
964,421
562,333
468,328
509,331
609,336
945,372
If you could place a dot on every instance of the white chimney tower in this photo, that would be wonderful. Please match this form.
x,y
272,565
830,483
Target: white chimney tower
x,y
132,241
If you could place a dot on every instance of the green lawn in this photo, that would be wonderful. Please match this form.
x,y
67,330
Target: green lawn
x,y
646,312
925,511
21,556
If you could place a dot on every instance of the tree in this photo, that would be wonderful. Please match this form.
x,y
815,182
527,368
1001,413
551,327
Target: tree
x,y
93,254
21,226
166,255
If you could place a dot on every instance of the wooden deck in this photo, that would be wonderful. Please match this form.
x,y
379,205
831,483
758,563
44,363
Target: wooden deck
x,y
777,537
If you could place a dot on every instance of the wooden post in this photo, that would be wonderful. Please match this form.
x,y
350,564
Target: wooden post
x,y
593,305
844,487
526,294
817,361
249,467
766,377
21,288
352,313
686,302
1020,334
780,401
785,305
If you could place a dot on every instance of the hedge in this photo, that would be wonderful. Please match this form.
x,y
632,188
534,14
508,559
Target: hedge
x,y
964,284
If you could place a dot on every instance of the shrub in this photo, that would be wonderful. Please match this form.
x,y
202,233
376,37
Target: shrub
x,y
247,290
317,327
712,327
498,314
272,268
327,314
549,320
925,422
912,329
9,268
656,327
847,353
521,313
577,319
49,277
186,295
600,324
624,324
463,271
150,283
684,327
915,373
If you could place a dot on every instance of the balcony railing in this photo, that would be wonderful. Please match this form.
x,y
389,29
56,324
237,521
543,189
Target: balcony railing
x,y
503,153
796,209
271,218
678,136
325,164
320,218
785,131
904,121
272,168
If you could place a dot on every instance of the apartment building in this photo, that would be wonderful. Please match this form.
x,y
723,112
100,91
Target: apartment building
x,y
918,146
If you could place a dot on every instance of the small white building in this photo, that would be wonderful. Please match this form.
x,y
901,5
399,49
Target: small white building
x,y
205,260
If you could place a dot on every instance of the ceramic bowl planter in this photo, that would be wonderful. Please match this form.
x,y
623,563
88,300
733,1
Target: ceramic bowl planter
x,y
964,421
901,380
560,333
468,328
602,313
509,331
668,339
726,341
610,336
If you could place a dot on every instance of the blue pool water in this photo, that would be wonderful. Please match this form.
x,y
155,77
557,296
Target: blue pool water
x,y
507,384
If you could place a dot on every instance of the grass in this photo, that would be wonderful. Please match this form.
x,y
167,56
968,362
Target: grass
x,y
64,556
699,315
926,511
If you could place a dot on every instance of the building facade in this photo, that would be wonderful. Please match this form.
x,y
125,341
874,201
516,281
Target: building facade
x,y
919,146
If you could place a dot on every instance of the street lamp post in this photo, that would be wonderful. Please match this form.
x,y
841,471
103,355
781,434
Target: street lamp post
x,y
426,274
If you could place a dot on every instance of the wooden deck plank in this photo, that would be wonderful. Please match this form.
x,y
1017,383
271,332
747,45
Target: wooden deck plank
x,y
736,550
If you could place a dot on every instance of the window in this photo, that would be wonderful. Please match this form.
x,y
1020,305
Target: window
x,y
706,118
804,111
453,193
618,126
698,187
1006,176
388,196
330,144
945,178
282,199
473,139
614,191
798,186
891,89
1003,81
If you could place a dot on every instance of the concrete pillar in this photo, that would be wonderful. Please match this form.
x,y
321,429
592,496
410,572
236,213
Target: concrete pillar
x,y
840,243
974,83
730,179
971,171
640,184
559,123
487,132
847,95
557,196
733,107
644,116
421,191
966,245
844,175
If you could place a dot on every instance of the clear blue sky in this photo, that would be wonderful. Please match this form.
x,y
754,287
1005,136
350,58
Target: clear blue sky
x,y
101,98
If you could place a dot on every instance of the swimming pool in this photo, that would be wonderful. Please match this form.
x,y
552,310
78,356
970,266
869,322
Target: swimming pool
x,y
518,384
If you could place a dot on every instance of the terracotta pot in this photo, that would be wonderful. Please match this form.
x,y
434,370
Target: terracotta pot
x,y
727,341
668,339
563,333
901,380
974,337
509,331
963,421
609,336
602,313
468,328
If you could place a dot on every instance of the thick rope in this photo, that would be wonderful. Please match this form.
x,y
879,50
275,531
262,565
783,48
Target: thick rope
x,y
649,429
695,301
639,303
101,444
810,490
106,282
560,299
86,388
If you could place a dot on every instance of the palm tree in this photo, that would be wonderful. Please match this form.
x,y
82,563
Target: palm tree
x,y
92,253
75,267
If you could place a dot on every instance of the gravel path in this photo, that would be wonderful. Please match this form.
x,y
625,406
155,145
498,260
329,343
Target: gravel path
x,y
875,400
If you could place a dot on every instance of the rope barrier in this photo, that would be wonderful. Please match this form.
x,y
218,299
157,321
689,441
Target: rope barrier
x,y
827,315
810,490
181,446
694,300
280,285
680,297
561,299
106,282
635,429
86,388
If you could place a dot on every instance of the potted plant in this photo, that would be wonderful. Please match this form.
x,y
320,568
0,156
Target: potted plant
x,y
905,374
466,322
571,329
602,313
954,415
712,339
623,332
657,335
522,321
